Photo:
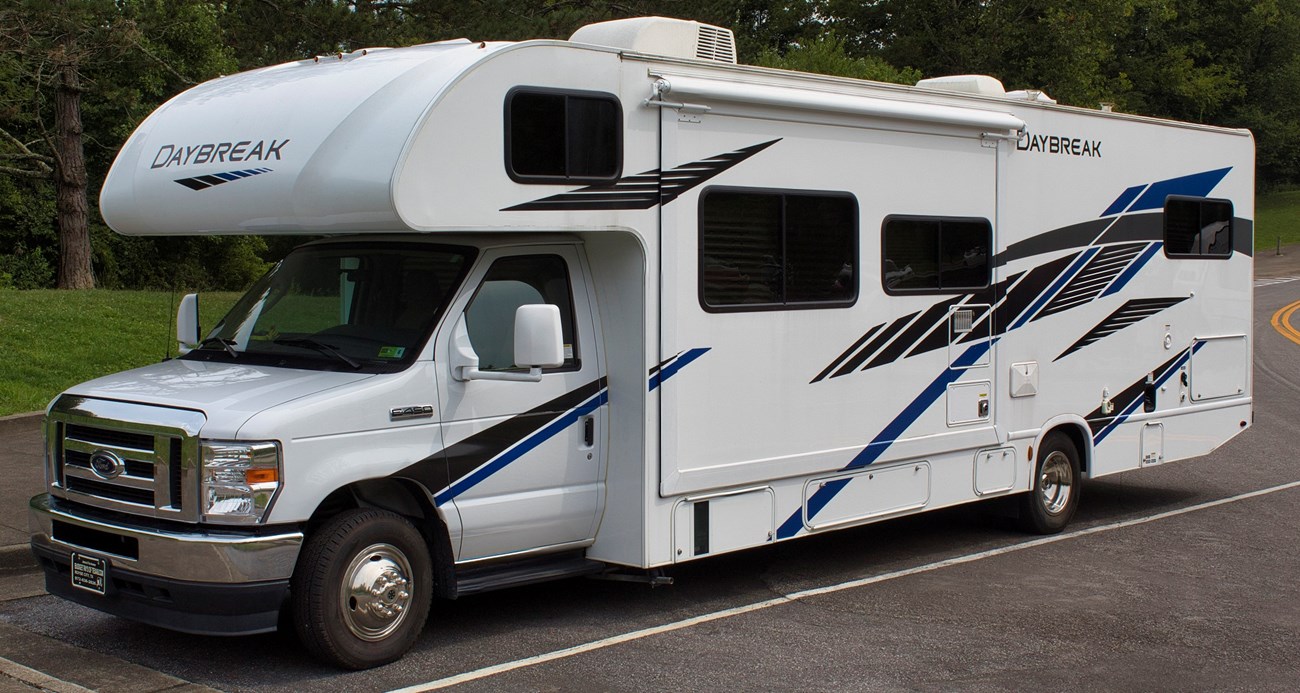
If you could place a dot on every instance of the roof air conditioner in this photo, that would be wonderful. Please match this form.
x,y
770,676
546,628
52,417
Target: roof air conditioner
x,y
677,38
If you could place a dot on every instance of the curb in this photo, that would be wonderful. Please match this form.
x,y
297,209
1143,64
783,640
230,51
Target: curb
x,y
17,558
15,421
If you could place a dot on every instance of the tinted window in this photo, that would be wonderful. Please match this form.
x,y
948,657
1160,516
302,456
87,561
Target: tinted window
x,y
512,282
562,137
935,254
371,303
762,249
1197,227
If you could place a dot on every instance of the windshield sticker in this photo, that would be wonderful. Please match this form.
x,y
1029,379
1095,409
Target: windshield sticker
x,y
391,352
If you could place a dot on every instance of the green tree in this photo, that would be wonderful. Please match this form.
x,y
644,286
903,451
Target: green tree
x,y
826,55
77,77
1059,46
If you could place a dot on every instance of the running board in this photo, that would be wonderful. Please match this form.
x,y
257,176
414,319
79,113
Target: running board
x,y
495,576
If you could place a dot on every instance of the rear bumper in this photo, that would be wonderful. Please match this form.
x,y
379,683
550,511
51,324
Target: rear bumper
x,y
191,580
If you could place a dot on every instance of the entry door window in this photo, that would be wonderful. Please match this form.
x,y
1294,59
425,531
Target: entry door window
x,y
512,282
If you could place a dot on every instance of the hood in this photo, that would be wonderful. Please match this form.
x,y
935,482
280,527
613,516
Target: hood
x,y
228,393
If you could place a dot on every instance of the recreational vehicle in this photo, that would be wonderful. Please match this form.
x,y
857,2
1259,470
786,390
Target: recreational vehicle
x,y
616,303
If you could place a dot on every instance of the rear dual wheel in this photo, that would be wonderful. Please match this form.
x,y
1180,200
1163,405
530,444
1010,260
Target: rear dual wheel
x,y
362,588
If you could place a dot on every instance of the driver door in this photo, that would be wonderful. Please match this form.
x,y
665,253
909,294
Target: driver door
x,y
524,458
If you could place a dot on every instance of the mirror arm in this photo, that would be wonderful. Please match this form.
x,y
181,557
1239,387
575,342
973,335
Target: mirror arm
x,y
534,375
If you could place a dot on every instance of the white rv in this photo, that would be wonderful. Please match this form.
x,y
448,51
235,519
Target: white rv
x,y
617,303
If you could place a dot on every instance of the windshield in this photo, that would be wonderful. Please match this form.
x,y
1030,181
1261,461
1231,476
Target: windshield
x,y
355,307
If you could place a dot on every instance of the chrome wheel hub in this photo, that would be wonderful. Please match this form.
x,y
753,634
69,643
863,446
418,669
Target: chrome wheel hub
x,y
1056,483
376,591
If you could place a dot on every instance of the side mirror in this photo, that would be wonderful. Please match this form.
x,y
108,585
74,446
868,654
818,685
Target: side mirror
x,y
187,323
539,341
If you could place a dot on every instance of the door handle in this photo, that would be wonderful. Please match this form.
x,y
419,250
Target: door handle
x,y
589,430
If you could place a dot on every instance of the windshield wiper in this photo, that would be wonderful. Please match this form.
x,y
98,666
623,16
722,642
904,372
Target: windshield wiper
x,y
222,342
318,346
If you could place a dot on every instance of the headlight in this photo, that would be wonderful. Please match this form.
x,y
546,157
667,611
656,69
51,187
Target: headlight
x,y
239,480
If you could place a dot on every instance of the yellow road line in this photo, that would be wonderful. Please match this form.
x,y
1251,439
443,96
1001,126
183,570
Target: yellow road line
x,y
1282,322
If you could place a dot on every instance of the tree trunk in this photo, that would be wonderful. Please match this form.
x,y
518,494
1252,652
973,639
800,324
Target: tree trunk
x,y
70,182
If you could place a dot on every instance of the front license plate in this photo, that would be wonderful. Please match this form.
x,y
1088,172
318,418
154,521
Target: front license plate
x,y
89,573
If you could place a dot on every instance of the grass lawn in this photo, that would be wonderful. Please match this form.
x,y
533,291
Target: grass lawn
x,y
50,340
1277,214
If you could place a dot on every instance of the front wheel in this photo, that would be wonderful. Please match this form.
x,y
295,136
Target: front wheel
x,y
1048,507
362,588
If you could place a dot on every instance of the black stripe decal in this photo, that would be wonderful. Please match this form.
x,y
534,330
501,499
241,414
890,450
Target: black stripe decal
x,y
1023,295
941,337
1130,313
446,466
861,357
643,190
839,359
1076,236
1093,278
937,313
988,325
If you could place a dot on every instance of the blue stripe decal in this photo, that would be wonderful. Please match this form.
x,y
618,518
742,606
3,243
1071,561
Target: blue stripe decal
x,y
1132,407
670,369
1133,269
886,437
1195,185
1121,203
525,446
553,428
1061,281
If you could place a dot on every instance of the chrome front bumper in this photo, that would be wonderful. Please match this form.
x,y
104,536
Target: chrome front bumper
x,y
198,555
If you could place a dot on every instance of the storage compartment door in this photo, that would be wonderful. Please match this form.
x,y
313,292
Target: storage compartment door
x,y
1218,367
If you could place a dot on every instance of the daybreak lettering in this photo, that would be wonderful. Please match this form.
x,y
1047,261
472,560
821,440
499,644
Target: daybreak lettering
x,y
1056,144
218,152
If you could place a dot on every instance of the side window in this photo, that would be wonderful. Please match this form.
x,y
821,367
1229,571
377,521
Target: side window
x,y
771,250
512,282
563,137
1196,227
935,254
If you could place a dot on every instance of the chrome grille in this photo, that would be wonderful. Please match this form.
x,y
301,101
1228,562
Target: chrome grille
x,y
135,468
153,454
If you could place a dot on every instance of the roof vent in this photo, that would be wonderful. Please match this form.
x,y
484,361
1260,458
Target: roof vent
x,y
966,84
677,38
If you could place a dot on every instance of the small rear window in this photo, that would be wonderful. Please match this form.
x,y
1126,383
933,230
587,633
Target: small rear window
x,y
558,137
1198,227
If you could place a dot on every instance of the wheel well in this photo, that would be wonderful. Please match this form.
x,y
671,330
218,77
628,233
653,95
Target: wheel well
x,y
408,499
1077,435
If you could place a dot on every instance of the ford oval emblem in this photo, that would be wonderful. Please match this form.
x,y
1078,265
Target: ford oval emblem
x,y
106,465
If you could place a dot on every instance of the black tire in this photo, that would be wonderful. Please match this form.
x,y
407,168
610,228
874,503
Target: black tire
x,y
1050,504
357,628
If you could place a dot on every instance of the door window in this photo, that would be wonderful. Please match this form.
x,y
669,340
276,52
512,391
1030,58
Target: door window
x,y
512,282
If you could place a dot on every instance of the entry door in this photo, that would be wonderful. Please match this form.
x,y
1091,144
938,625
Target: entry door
x,y
524,458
